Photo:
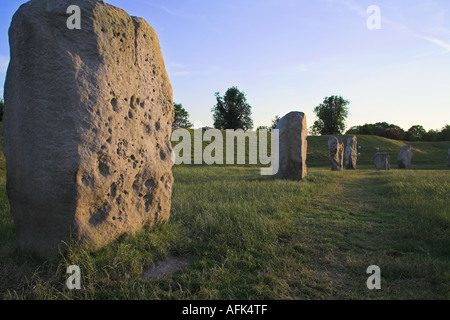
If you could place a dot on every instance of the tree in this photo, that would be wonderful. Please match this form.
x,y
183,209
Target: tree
x,y
444,135
392,133
275,122
181,116
332,113
415,133
232,111
431,135
382,129
354,130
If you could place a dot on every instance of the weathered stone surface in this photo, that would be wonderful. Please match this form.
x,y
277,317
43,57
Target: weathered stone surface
x,y
405,157
351,153
381,160
87,126
336,153
292,146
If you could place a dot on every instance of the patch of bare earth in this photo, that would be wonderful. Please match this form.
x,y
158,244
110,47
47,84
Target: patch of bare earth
x,y
164,268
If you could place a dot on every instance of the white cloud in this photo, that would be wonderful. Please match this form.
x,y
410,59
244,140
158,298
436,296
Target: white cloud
x,y
397,25
170,11
437,42
178,69
180,73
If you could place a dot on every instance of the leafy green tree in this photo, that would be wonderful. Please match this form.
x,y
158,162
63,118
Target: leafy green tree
x,y
181,117
275,122
332,113
354,130
415,133
431,135
232,111
444,135
382,129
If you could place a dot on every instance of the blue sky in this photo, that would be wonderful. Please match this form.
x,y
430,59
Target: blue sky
x,y
288,55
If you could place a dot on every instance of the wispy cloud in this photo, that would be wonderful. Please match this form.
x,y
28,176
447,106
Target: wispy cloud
x,y
180,73
170,11
395,24
438,42
178,69
287,70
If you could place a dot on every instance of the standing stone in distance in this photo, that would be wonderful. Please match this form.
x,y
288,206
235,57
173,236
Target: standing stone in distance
x,y
381,160
405,157
351,153
292,146
87,125
336,153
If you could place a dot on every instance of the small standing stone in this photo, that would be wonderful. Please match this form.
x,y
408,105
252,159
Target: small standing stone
x,y
292,146
381,160
405,157
336,153
351,153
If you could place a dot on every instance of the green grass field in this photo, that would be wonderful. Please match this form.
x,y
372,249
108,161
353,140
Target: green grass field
x,y
248,236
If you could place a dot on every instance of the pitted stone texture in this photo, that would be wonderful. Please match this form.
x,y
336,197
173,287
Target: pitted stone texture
x,y
291,158
351,153
88,116
381,160
336,153
405,157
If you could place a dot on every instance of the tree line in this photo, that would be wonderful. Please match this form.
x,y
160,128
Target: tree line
x,y
232,111
392,131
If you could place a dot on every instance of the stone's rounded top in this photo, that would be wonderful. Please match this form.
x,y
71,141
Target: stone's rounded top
x,y
52,5
405,149
42,8
333,140
295,113
291,119
381,154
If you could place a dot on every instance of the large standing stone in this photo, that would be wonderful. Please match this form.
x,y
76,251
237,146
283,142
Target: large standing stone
x,y
291,157
336,153
405,157
381,160
87,126
351,153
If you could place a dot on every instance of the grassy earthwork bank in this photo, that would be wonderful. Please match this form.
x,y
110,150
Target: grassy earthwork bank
x,y
247,236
